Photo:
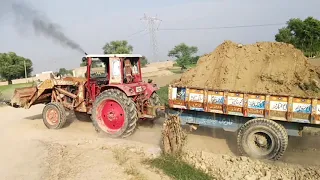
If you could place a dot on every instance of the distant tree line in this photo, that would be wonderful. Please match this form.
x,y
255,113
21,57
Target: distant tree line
x,y
303,34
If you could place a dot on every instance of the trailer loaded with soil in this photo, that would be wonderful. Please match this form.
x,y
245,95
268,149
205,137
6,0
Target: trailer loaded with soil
x,y
265,92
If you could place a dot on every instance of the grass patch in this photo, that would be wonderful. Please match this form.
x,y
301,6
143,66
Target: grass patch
x,y
121,156
163,94
191,66
7,91
176,70
133,171
10,88
178,169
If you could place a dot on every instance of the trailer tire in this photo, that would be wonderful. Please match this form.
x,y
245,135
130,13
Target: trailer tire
x,y
102,116
54,116
262,139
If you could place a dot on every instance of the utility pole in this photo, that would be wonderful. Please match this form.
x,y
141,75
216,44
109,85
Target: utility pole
x,y
25,69
153,24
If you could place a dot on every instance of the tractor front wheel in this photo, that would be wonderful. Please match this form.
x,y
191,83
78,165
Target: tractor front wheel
x,y
114,113
54,116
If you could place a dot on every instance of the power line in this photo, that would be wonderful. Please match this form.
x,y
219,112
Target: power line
x,y
138,32
222,27
134,35
212,28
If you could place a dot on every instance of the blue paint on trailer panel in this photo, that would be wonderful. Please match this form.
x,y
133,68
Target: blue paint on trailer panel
x,y
216,99
256,104
213,120
226,122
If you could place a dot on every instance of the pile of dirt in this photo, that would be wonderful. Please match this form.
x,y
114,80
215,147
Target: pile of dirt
x,y
232,167
265,67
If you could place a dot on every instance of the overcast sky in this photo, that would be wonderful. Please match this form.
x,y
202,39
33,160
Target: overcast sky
x,y
92,23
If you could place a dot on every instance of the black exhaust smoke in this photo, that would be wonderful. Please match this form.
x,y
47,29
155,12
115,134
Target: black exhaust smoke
x,y
31,18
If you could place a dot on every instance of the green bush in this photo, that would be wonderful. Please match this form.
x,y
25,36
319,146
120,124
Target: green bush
x,y
178,169
163,94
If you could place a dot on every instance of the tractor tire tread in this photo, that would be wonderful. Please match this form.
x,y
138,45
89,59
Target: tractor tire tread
x,y
156,99
62,115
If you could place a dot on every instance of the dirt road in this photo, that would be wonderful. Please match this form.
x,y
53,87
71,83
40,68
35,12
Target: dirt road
x,y
31,151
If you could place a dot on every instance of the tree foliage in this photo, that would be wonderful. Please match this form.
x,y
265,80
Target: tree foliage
x,y
64,72
184,54
117,47
83,64
144,61
303,34
12,66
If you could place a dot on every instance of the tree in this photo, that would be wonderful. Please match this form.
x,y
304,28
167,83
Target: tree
x,y
64,72
184,54
117,47
304,35
144,61
12,66
83,64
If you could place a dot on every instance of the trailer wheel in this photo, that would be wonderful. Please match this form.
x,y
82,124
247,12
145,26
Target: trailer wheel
x,y
54,116
114,113
262,139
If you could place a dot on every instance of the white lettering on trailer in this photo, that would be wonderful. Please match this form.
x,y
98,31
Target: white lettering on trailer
x,y
196,97
212,99
235,101
278,106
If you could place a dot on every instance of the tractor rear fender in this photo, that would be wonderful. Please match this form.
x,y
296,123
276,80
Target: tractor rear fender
x,y
150,89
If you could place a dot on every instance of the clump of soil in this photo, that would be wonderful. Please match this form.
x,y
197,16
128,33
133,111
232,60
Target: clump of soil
x,y
265,67
232,167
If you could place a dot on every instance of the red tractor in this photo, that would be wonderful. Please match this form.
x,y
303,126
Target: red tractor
x,y
112,91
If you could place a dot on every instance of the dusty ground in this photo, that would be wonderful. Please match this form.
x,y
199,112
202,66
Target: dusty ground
x,y
77,152
30,151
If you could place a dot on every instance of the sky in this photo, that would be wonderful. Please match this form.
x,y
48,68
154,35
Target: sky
x,y
92,23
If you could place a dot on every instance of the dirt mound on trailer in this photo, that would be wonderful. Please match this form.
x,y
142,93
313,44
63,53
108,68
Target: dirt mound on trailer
x,y
265,67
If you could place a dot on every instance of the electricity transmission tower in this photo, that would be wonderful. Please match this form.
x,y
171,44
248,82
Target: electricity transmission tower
x,y
153,24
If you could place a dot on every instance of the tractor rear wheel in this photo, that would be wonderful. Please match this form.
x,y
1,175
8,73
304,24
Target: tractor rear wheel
x,y
54,116
155,99
114,113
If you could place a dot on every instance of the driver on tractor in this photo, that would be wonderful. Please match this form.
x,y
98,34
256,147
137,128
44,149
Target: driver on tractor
x,y
128,70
